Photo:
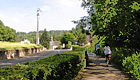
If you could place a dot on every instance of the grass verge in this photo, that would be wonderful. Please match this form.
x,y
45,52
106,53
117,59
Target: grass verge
x,y
15,45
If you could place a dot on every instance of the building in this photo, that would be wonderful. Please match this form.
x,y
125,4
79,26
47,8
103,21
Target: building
x,y
54,44
25,41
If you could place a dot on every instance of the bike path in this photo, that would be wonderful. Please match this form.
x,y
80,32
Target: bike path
x,y
97,70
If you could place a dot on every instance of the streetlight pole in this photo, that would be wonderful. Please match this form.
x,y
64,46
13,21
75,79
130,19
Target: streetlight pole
x,y
37,34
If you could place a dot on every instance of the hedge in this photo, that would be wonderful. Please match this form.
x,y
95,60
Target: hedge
x,y
86,48
63,66
77,48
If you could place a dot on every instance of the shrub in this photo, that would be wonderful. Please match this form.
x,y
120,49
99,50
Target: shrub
x,y
77,48
68,46
132,65
63,66
59,47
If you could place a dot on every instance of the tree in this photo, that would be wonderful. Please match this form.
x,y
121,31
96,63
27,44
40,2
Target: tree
x,y
45,39
31,36
1,23
83,24
118,23
7,33
79,35
57,34
82,38
67,37
116,20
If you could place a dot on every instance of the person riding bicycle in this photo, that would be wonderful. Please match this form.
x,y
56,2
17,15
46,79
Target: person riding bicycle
x,y
107,51
97,48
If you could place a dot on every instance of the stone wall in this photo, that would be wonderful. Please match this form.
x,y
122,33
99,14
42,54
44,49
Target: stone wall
x,y
9,54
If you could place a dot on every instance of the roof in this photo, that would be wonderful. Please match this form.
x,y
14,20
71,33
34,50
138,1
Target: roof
x,y
18,40
56,43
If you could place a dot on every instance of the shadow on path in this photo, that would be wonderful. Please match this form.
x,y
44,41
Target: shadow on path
x,y
97,70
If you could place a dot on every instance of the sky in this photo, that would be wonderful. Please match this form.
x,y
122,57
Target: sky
x,y
21,15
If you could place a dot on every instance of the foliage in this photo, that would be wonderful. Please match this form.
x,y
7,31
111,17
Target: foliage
x,y
57,34
68,46
7,33
31,36
79,35
95,40
67,37
82,25
77,48
89,48
63,66
59,47
45,39
116,22
132,65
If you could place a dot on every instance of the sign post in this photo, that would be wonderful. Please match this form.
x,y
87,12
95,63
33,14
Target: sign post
x,y
75,41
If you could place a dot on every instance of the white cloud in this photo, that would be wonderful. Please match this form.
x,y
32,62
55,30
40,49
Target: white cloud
x,y
45,8
50,1
55,15
3,17
67,3
60,14
19,21
16,20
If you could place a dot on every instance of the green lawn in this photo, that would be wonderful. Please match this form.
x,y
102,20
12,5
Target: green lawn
x,y
15,45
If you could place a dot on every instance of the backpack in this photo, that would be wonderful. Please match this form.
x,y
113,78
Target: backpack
x,y
107,51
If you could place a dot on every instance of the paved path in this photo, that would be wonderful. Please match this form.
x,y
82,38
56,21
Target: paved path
x,y
97,70
30,58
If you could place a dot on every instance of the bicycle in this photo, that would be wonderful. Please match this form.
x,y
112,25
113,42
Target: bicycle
x,y
97,52
108,57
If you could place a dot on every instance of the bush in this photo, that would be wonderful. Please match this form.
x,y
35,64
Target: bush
x,y
59,47
132,65
68,46
77,48
63,66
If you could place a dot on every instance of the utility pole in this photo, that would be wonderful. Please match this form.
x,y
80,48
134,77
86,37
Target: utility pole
x,y
37,34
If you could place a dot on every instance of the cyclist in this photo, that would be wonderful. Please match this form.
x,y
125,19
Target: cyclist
x,y
91,42
97,48
107,51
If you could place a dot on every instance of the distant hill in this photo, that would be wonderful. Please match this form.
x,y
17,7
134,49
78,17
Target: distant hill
x,y
31,36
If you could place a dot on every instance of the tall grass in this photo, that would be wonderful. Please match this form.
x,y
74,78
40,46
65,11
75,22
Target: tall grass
x,y
15,45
